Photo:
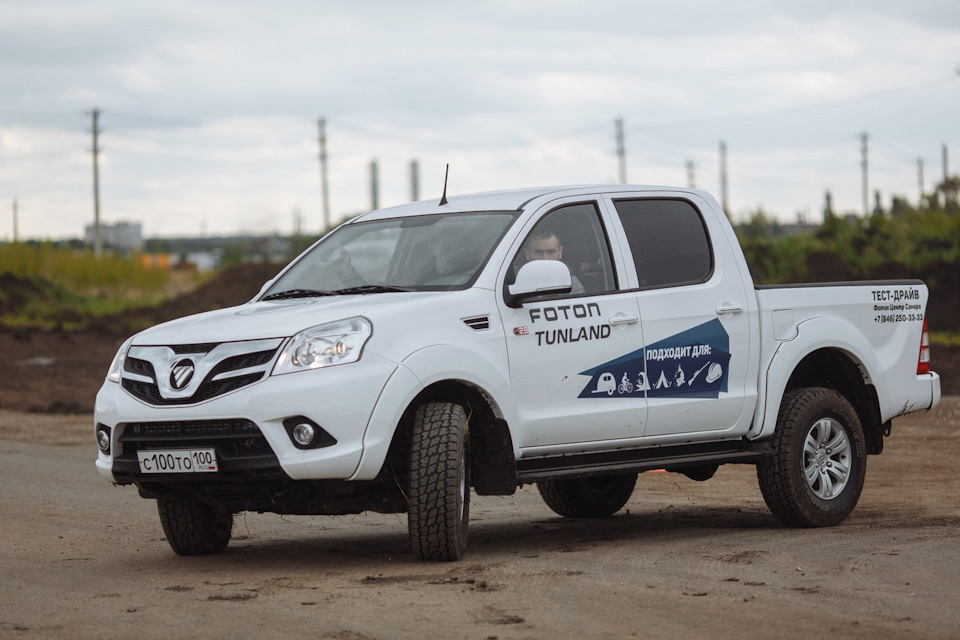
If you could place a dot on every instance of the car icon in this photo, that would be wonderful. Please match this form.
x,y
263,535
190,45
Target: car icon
x,y
606,383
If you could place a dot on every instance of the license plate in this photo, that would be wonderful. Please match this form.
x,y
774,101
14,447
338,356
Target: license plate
x,y
177,461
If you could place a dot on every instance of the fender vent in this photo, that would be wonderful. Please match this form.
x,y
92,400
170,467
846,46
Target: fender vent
x,y
478,323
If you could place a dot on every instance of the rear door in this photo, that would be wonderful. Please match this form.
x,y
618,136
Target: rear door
x,y
692,302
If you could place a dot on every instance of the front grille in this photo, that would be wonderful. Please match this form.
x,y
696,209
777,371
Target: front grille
x,y
140,367
242,450
150,393
206,347
143,383
232,437
245,361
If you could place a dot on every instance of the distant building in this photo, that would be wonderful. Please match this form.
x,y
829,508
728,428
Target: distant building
x,y
121,236
202,261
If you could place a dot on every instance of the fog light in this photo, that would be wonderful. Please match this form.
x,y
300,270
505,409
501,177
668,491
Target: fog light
x,y
304,434
103,439
307,434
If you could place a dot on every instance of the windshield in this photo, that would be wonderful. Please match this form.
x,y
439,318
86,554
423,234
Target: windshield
x,y
422,253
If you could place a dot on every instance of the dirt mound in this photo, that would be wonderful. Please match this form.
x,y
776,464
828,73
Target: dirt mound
x,y
15,291
61,371
232,286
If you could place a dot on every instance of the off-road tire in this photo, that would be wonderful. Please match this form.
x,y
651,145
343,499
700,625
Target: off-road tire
x,y
439,484
596,497
811,420
193,527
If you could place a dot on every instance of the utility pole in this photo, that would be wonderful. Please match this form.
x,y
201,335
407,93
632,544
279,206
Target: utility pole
x,y
414,181
374,186
920,181
297,222
863,167
15,231
949,194
621,150
322,139
691,178
946,168
97,242
724,202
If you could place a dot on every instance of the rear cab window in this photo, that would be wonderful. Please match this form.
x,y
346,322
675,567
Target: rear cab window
x,y
668,240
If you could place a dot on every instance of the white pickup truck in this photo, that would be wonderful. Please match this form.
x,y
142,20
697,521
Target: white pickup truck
x,y
569,337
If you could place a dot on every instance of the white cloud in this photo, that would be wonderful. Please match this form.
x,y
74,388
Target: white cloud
x,y
210,108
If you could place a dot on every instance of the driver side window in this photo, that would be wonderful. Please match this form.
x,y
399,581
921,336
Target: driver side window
x,y
574,235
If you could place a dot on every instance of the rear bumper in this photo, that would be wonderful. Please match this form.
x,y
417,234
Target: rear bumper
x,y
934,389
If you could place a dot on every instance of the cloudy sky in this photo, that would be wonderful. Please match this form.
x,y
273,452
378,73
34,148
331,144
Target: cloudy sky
x,y
209,109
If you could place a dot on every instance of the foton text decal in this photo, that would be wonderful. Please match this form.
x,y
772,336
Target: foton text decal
x,y
693,363
564,335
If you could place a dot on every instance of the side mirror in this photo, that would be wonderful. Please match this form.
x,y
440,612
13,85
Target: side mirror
x,y
537,278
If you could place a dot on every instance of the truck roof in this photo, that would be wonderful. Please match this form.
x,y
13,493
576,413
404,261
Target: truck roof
x,y
508,200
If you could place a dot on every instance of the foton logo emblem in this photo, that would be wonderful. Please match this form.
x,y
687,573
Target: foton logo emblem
x,y
181,374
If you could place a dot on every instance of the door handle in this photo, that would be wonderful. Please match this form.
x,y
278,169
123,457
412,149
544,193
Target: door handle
x,y
727,307
622,319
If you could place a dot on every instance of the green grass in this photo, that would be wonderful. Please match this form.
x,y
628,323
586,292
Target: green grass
x,y
944,339
52,287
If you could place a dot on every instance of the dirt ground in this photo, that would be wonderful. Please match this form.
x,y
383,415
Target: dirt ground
x,y
83,559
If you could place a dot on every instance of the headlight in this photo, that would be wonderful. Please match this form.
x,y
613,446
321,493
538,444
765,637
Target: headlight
x,y
116,367
325,345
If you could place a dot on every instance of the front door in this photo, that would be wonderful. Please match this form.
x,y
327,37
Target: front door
x,y
566,402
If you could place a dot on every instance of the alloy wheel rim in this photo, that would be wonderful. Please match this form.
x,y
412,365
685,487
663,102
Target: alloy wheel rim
x,y
826,458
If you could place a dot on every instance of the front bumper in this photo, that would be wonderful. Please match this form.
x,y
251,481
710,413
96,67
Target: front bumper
x,y
340,399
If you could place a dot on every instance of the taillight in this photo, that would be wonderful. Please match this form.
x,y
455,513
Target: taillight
x,y
923,362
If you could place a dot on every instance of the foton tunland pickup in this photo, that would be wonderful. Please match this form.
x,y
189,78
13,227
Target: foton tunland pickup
x,y
569,337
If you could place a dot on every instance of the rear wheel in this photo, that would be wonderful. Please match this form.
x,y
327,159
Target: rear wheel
x,y
816,473
192,526
596,497
439,491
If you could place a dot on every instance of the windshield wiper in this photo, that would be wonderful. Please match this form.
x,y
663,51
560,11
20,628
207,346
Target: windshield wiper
x,y
296,293
370,288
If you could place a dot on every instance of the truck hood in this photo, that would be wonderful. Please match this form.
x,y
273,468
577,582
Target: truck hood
x,y
276,319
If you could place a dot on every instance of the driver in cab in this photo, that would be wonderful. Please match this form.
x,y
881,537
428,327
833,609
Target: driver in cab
x,y
543,244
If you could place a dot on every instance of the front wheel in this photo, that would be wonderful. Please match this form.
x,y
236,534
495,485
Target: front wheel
x,y
439,488
192,526
815,475
596,497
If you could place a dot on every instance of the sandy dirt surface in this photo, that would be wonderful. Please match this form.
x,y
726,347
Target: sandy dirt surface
x,y
82,559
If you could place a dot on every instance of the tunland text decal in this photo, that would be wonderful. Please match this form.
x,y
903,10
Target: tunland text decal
x,y
547,335
693,363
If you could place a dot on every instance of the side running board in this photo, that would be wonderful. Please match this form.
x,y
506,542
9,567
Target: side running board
x,y
671,458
